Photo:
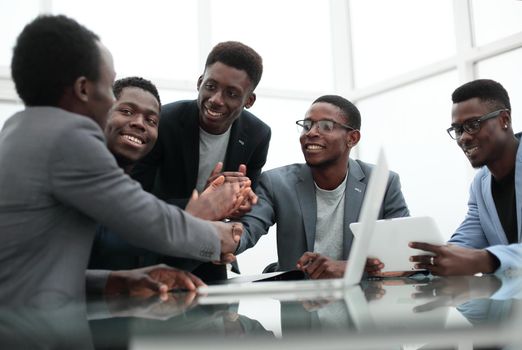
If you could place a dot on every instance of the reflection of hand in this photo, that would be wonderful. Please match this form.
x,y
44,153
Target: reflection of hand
x,y
229,235
316,304
151,307
373,290
453,260
319,266
453,291
150,280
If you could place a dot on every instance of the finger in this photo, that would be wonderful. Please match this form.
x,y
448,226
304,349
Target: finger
x,y
194,195
227,258
217,169
237,231
183,281
218,181
242,169
147,285
196,280
318,271
305,259
425,246
425,259
314,265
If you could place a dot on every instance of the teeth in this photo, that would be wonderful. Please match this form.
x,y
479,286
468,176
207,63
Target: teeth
x,y
214,114
133,139
313,147
470,151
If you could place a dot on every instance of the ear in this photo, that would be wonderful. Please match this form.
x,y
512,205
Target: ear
x,y
200,80
81,89
251,100
352,138
505,120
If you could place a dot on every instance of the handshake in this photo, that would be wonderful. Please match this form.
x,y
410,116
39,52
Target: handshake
x,y
227,196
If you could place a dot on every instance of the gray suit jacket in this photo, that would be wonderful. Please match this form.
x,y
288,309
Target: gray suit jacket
x,y
287,198
58,180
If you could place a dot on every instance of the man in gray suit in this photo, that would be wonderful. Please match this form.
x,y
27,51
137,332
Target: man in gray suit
x,y
314,203
58,178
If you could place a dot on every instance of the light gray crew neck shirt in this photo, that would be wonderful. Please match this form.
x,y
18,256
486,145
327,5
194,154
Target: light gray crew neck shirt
x,y
212,149
330,221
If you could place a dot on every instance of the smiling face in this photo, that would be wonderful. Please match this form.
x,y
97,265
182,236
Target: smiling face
x,y
327,149
132,129
223,93
487,145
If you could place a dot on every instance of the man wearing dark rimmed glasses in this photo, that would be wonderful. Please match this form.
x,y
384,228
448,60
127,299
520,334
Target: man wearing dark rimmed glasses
x,y
314,203
488,240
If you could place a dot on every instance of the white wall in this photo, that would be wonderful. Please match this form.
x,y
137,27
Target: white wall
x,y
399,63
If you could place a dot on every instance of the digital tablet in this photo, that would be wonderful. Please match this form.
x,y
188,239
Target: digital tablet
x,y
391,237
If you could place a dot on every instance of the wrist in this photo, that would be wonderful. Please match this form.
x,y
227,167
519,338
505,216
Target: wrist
x,y
487,262
115,283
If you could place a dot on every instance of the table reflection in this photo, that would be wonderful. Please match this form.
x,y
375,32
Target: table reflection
x,y
379,308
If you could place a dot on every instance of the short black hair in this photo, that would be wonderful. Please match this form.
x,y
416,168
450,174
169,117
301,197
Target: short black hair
x,y
50,53
348,109
138,82
486,90
239,56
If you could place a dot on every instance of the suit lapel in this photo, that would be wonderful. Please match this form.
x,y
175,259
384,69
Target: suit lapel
x,y
190,145
237,144
518,190
354,195
305,190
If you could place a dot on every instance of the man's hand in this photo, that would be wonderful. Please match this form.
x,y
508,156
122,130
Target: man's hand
x,y
230,235
453,260
238,176
217,202
246,197
150,280
319,266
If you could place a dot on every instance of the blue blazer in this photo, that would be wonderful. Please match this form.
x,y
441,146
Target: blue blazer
x,y
481,227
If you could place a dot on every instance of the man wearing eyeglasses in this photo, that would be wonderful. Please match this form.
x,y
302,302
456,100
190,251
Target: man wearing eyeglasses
x,y
488,240
314,203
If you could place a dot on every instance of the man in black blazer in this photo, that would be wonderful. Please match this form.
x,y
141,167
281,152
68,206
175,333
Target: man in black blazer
x,y
213,135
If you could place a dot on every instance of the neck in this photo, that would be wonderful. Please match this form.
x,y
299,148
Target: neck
x,y
503,166
125,164
329,178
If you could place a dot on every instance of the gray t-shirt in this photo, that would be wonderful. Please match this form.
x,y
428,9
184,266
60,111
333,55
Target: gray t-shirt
x,y
212,149
330,221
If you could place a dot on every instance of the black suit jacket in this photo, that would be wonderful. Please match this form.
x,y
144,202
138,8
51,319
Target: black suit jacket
x,y
170,170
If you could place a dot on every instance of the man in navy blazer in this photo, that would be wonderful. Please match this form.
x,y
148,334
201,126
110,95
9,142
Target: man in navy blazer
x,y
313,204
199,139
488,240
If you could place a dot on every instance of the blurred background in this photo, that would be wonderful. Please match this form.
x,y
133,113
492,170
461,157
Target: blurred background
x,y
398,61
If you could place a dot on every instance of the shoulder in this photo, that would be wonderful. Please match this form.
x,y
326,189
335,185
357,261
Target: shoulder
x,y
249,121
178,109
366,169
285,174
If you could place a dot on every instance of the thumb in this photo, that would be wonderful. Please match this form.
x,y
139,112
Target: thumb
x,y
151,285
194,195
217,169
220,180
242,169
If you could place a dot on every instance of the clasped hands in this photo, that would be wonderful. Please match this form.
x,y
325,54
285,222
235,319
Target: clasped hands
x,y
228,195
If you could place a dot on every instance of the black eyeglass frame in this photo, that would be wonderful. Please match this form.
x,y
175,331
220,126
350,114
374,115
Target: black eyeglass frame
x,y
301,124
460,128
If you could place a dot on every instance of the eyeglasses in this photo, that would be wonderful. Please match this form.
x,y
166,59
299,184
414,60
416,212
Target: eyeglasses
x,y
325,125
472,126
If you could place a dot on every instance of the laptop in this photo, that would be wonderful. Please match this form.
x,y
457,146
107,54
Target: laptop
x,y
397,233
358,253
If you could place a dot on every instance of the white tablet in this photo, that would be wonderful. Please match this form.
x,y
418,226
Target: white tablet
x,y
391,237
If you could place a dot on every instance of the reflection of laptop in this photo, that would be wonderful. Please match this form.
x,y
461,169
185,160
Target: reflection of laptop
x,y
358,252
394,310
391,237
